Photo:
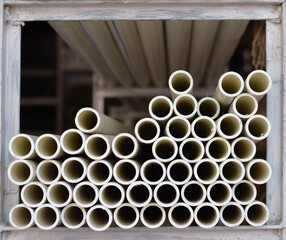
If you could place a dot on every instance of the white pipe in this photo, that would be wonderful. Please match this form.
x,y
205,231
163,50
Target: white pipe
x,y
21,172
232,214
73,216
126,216
192,150
49,171
111,195
193,193
257,128
98,146
219,193
206,215
180,82
74,169
206,171
48,147
21,216
166,194
208,106
99,218
179,172
229,126
59,194
185,105
243,149
203,128
139,194
126,171
165,149
218,149
178,128
34,194
22,146
72,141
99,172
256,214
229,86
85,194
147,130
181,215
124,145
244,192
153,172
258,83
88,120
232,171
47,217
258,171
160,108
152,215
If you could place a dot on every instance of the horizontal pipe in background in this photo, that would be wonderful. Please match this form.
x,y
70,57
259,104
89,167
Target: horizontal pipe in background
x,y
22,146
73,216
181,215
153,172
179,172
126,216
99,218
206,215
244,192
219,193
21,172
152,215
178,128
21,216
232,171
243,149
193,193
256,214
232,214
34,194
218,149
74,169
59,194
47,216
258,171
125,145
126,171
165,149
208,106
139,194
85,194
160,108
166,194
49,171
147,130
99,172
206,171
72,141
229,126
203,128
186,106
111,195
192,150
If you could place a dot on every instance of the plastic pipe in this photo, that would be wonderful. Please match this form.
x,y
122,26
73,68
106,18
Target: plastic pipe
x,y
73,216
160,108
206,215
258,171
98,146
152,215
243,149
72,141
126,171
139,194
34,194
209,107
257,128
99,172
193,193
229,86
256,214
229,126
258,83
124,145
153,172
186,106
218,149
99,218
206,171
180,82
166,194
219,193
22,146
192,150
88,120
49,171
74,169
232,171
178,128
59,194
179,172
21,216
47,217
244,192
165,149
232,214
21,172
126,216
85,194
203,128
181,215
111,195
147,130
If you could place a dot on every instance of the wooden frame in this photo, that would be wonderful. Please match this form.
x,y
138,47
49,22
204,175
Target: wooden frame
x,y
13,14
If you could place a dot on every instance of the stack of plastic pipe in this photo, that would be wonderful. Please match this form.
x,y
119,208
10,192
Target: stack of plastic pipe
x,y
202,169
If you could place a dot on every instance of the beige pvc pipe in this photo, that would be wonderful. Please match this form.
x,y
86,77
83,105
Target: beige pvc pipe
x,y
85,194
59,194
22,146
193,193
206,215
72,141
178,128
139,194
165,149
74,169
160,108
49,171
219,193
203,128
232,171
153,172
166,194
125,145
111,195
21,216
244,192
206,171
208,106
243,149
99,218
34,194
185,106
181,215
73,216
147,130
126,216
47,216
152,215
229,126
192,150
179,172
258,171
88,120
218,149
258,83
232,214
21,172
99,172
256,214
126,171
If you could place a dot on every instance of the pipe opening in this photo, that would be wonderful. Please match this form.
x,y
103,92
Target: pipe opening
x,y
178,128
259,82
208,108
203,128
219,193
244,192
124,145
232,214
229,125
21,146
243,149
48,171
207,215
219,149
46,216
47,146
99,172
259,171
126,171
33,194
87,120
257,213
179,172
231,84
232,171
21,217
185,106
139,194
126,215
72,141
99,218
147,130
258,127
165,149
194,193
73,216
181,215
85,194
152,215
153,172
207,171
192,150
97,146
181,82
166,193
20,172
59,194
111,195
246,105
161,108
73,170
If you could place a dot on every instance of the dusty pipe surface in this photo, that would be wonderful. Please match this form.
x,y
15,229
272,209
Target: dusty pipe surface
x,y
229,126
218,149
85,194
72,141
192,150
125,145
219,193
21,216
111,195
166,194
22,146
153,172
126,171
99,218
160,108
126,216
206,171
193,193
147,130
21,172
181,215
34,194
232,171
139,194
243,149
49,171
203,128
152,215
185,106
99,172
232,214
73,216
258,171
47,217
59,194
178,129
244,192
165,149
209,107
256,214
179,172
74,169
206,215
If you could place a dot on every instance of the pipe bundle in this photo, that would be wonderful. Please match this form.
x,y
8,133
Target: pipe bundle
x,y
189,163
